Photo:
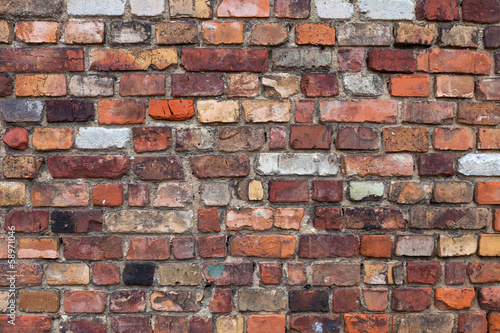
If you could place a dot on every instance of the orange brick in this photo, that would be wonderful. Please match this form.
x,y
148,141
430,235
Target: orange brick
x,y
453,61
406,138
496,220
488,193
418,85
121,111
33,248
266,324
222,33
454,298
376,246
453,138
52,138
171,110
315,34
494,322
455,86
488,138
41,85
263,246
107,195
37,32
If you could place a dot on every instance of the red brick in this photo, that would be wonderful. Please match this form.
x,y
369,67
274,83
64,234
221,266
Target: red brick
x,y
266,323
350,60
488,193
454,273
423,272
478,113
411,299
171,110
436,164
375,298
378,165
27,220
358,111
270,273
27,323
6,87
138,195
107,195
481,11
308,323
250,8
277,137
225,274
328,218
454,86
488,89
472,322
268,33
328,245
428,112
142,84
36,60
174,324
297,9
494,322
183,247
158,167
489,298
376,246
151,138
104,274
304,110
224,60
84,324
217,33
297,275
438,10
288,191
242,85
71,166
263,246
319,85
345,300
315,34
488,138
93,248
127,301
454,298
208,220
84,301
16,138
148,248
453,138
327,191
200,325
126,324
216,166
212,246
417,85
90,32
121,111
415,34
197,85
453,61
60,195
222,301
310,136
373,323
391,60
359,138
28,274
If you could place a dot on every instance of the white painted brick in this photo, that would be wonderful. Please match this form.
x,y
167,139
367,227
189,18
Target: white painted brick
x,y
334,9
479,165
96,7
297,164
147,7
102,138
387,9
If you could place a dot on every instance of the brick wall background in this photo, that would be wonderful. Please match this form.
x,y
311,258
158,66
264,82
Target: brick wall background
x,y
251,166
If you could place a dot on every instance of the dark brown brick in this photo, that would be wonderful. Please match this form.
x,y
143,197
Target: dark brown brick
x,y
151,138
216,166
373,218
327,190
361,138
297,9
411,299
224,60
454,273
71,166
481,11
197,85
27,220
345,300
69,110
492,37
176,32
310,136
449,218
225,274
319,85
423,272
36,60
328,218
436,164
309,323
308,300
158,167
93,248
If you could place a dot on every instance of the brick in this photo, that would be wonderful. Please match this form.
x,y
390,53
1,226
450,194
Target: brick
x,y
40,85
67,274
398,10
310,136
366,191
338,274
27,220
493,321
292,9
454,273
176,194
26,274
459,36
165,324
488,298
225,274
216,166
328,245
241,138
208,220
176,301
436,164
269,34
121,111
376,323
472,322
297,275
481,11
5,32
16,138
60,195
36,60
345,300
37,248
319,85
487,90
376,246
315,34
127,301
288,191
304,59
350,60
488,193
308,300
262,111
84,301
158,167
449,218
183,247
90,86
308,323
363,84
488,138
416,85
409,192
411,299
142,85
478,113
357,138
92,248
125,324
373,218
104,274
176,32
277,137
217,33
76,221
38,301
280,86
224,60
180,274
423,272
407,138
149,221
131,59
378,165
442,322
90,32
270,273
69,110
414,246
138,274
197,85
358,111
26,323
390,60
453,61
453,138
385,273
37,32
328,218
131,32
138,195
452,86
197,139
415,34
491,37
440,10
375,298
484,272
488,245
428,112
212,111
270,246
75,324
24,167
327,191
148,139
148,248
304,111
52,138
453,192
264,218
364,34
252,8
107,195
93,7
190,8
266,323
212,246
242,85
171,109
12,194
72,166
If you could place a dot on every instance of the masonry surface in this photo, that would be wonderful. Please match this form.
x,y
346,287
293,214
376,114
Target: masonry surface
x,y
258,166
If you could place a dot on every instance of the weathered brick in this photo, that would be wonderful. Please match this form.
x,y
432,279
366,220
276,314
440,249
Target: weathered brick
x,y
308,300
364,34
423,272
488,138
52,138
89,86
67,274
375,298
358,111
383,273
93,7
39,301
297,275
251,8
76,221
126,301
264,218
280,86
90,32
104,274
124,324
378,165
411,299
414,246
130,32
241,138
327,191
390,60
121,111
148,248
292,9
149,221
37,248
179,274
438,10
436,164
6,30
72,166
454,273
484,272
406,138
363,84
213,111
478,113
197,85
190,8
262,111
325,246
319,85
315,34
176,301
288,191
415,34
92,248
350,59
459,36
453,61
487,89
269,34
26,323
270,273
491,37
216,166
24,167
60,195
224,60
441,322
27,220
449,218
409,192
69,110
158,167
328,218
176,32
233,324
306,59
488,298
376,323
142,85
266,323
454,86
428,112
472,322
453,192
40,85
309,323
217,33
376,246
138,274
36,60
38,32
183,247
489,245
338,274
132,59
165,324
225,274
212,246
269,246
16,138
481,11
107,195
361,138
373,218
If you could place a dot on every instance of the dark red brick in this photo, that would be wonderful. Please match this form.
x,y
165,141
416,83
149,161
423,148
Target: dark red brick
x,y
27,220
28,274
72,166
489,298
391,60
359,138
129,324
138,195
288,191
93,248
69,110
411,299
297,9
310,323
454,273
27,323
310,136
438,10
158,167
277,137
222,301
327,190
183,247
171,324
270,273
350,60
224,60
105,273
197,85
83,325
319,85
142,85
225,274
308,300
345,300
76,221
491,37
328,218
212,246
481,11
304,110
199,324
127,301
484,272
208,220
436,164
41,60
6,86
472,322
423,272
328,245
215,166
151,138
16,138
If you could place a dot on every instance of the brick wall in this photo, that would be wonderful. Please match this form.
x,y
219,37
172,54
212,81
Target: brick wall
x,y
251,166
